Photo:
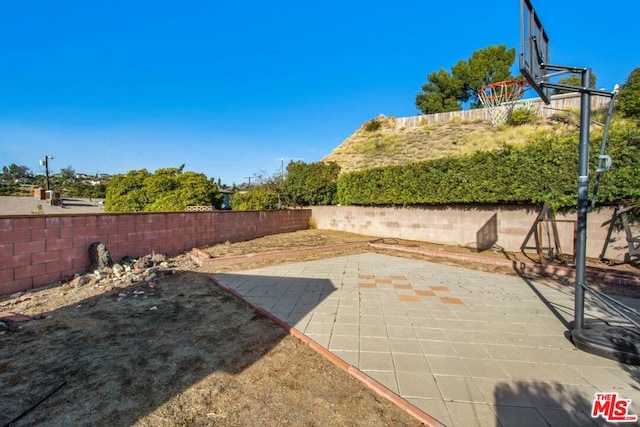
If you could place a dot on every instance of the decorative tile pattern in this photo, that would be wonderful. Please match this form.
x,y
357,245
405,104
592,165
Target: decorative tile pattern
x,y
401,283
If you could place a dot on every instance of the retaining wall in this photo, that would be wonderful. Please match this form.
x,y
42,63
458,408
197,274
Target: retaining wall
x,y
36,250
479,227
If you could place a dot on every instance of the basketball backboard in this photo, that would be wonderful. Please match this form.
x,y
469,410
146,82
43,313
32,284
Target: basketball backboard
x,y
534,50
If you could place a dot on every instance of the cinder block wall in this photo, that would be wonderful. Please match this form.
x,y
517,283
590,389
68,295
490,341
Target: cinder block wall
x,y
469,226
38,250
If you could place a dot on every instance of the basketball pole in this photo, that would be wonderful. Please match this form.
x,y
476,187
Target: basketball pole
x,y
583,199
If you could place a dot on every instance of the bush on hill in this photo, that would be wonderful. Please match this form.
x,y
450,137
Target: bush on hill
x,y
543,170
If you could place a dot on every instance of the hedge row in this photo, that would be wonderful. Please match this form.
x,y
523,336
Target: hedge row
x,y
544,170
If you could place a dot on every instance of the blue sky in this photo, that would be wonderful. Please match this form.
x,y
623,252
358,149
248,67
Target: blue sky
x,y
234,89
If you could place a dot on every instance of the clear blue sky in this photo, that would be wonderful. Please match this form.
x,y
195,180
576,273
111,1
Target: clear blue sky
x,y
231,88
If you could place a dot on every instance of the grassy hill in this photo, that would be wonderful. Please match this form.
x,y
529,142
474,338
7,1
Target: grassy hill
x,y
380,142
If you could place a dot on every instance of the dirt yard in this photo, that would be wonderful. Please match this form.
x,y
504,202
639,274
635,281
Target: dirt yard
x,y
175,350
178,350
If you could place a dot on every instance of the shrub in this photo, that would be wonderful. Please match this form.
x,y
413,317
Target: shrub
x,y
372,125
166,190
542,171
257,198
526,113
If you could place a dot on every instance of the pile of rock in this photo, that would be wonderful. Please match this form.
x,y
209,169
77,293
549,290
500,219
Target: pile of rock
x,y
127,272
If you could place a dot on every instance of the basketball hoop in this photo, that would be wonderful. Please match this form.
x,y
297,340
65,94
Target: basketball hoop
x,y
499,99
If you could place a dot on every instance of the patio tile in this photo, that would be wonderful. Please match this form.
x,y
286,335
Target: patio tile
x,y
343,342
566,418
399,345
436,408
437,348
386,378
375,344
373,331
471,414
524,371
375,361
411,363
473,351
484,368
461,389
350,357
400,332
441,365
346,329
518,416
413,384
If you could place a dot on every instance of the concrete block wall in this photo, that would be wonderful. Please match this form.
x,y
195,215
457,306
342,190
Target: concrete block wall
x,y
38,250
465,226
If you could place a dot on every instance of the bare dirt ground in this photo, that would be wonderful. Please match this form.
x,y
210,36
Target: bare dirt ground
x,y
175,350
178,350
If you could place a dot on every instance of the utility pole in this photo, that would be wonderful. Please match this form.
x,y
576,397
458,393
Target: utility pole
x,y
249,178
282,169
46,166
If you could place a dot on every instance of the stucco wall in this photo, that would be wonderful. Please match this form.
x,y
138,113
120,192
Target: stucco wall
x,y
477,227
37,250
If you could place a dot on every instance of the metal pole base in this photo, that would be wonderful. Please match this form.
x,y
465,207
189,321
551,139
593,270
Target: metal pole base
x,y
610,340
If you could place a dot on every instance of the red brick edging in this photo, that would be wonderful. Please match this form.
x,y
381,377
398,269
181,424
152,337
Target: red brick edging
x,y
204,259
612,278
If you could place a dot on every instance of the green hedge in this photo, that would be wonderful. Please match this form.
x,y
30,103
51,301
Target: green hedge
x,y
544,170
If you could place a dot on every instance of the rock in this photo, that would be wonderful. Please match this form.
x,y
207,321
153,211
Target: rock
x,y
150,271
100,257
158,258
80,281
117,269
142,263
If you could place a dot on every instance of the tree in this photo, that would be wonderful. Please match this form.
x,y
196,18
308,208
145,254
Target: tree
x,y
628,99
440,94
492,64
67,173
449,91
573,80
14,171
312,184
256,198
165,190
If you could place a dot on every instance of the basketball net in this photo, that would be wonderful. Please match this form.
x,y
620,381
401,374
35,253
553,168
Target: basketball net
x,y
499,98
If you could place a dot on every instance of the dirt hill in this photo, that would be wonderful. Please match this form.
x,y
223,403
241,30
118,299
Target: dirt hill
x,y
381,141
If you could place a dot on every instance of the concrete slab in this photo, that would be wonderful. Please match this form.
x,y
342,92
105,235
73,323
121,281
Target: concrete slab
x,y
467,347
